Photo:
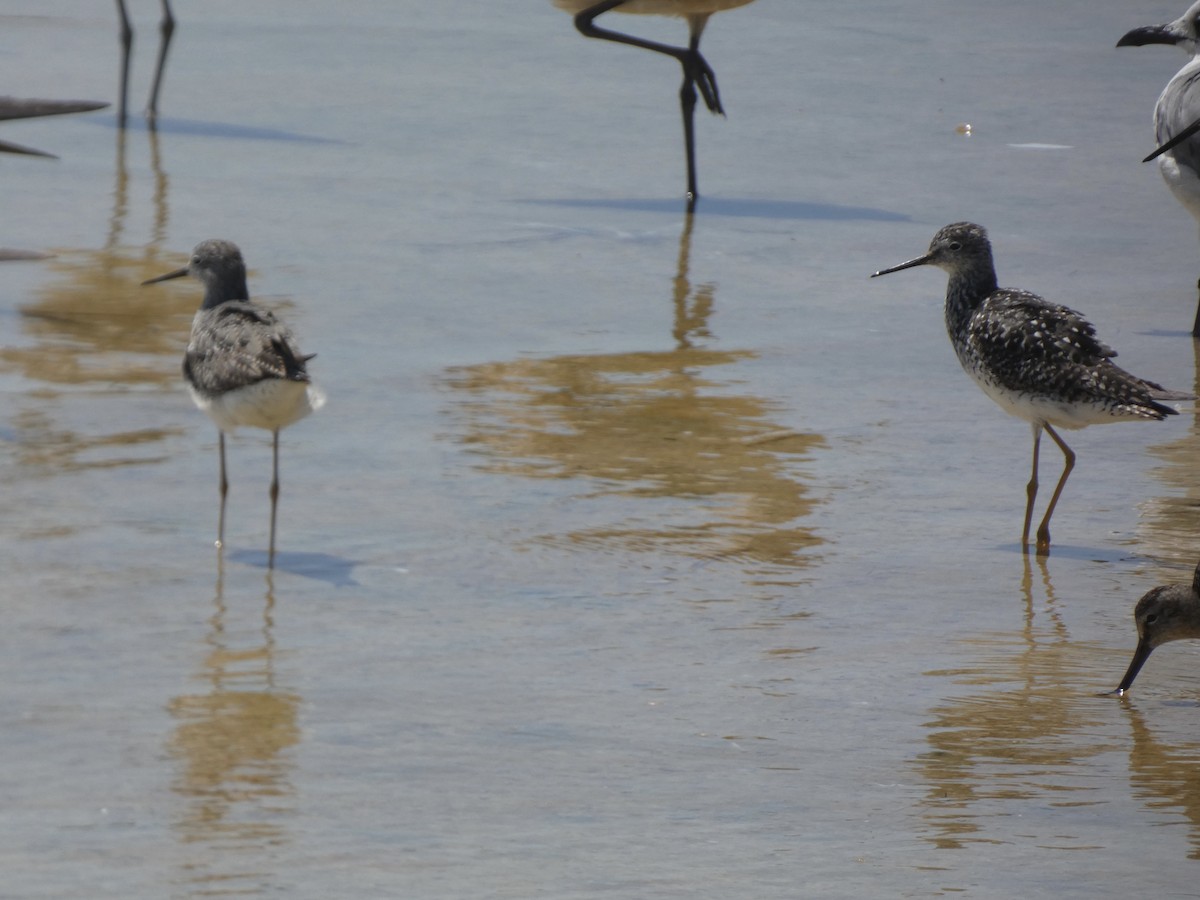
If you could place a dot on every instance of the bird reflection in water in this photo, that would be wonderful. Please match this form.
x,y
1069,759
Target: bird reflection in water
x,y
1023,736
232,742
651,426
1169,521
86,336
1164,771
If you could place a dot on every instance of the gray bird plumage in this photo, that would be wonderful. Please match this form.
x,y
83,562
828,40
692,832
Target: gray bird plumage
x,y
242,365
1039,361
1169,612
235,344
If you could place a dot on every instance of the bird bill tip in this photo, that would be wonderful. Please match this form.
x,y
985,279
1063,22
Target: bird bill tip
x,y
1140,655
919,261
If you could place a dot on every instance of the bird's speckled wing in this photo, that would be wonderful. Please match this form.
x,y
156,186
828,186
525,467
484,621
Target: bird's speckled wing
x,y
1010,323
1030,346
238,344
1177,108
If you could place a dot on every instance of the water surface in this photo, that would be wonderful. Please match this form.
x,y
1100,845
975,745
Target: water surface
x,y
632,556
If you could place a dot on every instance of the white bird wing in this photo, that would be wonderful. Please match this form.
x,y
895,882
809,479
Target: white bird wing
x,y
1177,108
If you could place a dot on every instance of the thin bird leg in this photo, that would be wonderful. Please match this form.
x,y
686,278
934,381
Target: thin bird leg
x,y
1043,532
687,105
126,48
1031,488
697,74
695,67
224,488
166,28
274,494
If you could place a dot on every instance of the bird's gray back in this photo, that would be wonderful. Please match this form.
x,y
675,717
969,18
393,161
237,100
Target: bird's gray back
x,y
1025,345
238,344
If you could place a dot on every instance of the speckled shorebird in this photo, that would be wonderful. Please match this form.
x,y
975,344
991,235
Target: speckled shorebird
x,y
1177,114
242,365
697,73
1169,612
1039,361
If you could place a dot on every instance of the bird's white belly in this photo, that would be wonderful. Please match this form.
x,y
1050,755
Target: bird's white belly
x,y
1059,413
1183,182
273,403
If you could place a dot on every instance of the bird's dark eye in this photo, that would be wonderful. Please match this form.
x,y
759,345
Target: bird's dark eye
x,y
955,245
1152,618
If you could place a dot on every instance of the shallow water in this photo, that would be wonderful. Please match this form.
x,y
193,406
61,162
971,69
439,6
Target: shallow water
x,y
631,556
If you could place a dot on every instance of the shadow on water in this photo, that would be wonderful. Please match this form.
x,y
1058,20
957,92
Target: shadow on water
x,y
224,130
333,570
740,208
231,743
654,426
1022,736
1070,551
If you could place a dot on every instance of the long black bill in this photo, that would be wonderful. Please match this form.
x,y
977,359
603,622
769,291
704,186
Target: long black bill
x,y
1158,34
1149,34
24,151
1140,655
1175,141
919,261
178,273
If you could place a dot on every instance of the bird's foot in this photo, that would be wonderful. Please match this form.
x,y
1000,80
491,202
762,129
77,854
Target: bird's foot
x,y
697,71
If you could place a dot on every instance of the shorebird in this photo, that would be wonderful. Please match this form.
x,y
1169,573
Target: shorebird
x,y
166,28
242,365
1169,612
1177,114
1039,361
697,73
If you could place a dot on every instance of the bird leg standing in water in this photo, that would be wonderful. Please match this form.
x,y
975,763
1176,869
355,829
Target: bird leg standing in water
x,y
698,75
1037,360
241,365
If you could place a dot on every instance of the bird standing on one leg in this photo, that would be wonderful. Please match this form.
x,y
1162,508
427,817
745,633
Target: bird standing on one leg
x,y
1039,361
1177,114
697,73
241,365
1169,612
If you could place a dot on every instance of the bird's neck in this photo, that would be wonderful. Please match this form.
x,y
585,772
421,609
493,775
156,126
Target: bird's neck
x,y
964,294
223,292
1189,625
